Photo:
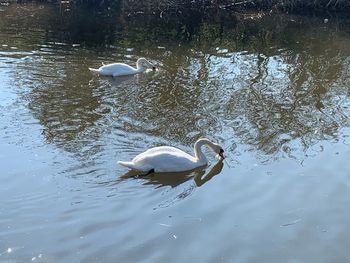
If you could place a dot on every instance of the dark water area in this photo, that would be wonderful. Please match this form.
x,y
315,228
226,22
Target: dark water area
x,y
272,89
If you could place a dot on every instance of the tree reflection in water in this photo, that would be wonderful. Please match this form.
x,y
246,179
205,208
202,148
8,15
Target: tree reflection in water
x,y
278,85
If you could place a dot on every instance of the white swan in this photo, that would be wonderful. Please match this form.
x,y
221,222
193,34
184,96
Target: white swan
x,y
121,69
171,159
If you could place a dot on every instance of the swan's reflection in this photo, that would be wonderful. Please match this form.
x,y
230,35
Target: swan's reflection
x,y
199,176
199,179
114,81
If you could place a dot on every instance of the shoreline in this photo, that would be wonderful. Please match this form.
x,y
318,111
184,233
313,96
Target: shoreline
x,y
170,8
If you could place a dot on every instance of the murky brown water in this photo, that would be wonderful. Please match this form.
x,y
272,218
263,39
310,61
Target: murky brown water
x,y
273,90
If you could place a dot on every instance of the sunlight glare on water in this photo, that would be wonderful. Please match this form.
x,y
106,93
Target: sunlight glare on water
x,y
272,91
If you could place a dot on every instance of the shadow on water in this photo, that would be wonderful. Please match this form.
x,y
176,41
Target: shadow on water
x,y
199,176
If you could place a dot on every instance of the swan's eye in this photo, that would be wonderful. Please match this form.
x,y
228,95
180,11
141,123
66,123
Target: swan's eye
x,y
221,150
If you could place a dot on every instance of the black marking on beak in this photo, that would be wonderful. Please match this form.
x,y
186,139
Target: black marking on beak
x,y
153,68
221,154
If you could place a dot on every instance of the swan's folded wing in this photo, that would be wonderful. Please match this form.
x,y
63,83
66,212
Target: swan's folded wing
x,y
117,69
167,162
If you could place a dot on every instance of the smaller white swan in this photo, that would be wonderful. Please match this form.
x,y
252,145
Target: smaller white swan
x,y
171,159
122,69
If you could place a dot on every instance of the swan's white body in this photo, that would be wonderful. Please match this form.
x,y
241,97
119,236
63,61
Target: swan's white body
x,y
171,159
121,69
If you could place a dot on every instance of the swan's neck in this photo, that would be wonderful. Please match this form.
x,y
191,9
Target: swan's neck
x,y
198,151
139,67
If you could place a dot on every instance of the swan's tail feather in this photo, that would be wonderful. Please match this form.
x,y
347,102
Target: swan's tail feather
x,y
94,70
129,165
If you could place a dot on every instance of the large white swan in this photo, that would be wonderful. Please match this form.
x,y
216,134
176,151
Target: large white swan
x,y
171,159
121,69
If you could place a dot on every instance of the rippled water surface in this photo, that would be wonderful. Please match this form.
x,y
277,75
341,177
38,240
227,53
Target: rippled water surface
x,y
273,90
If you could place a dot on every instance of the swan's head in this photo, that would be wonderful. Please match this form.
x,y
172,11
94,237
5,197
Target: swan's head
x,y
217,149
213,146
144,63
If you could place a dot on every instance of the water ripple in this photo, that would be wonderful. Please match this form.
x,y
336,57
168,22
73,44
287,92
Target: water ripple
x,y
279,107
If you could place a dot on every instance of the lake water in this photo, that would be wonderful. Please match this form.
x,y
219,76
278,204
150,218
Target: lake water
x,y
273,90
